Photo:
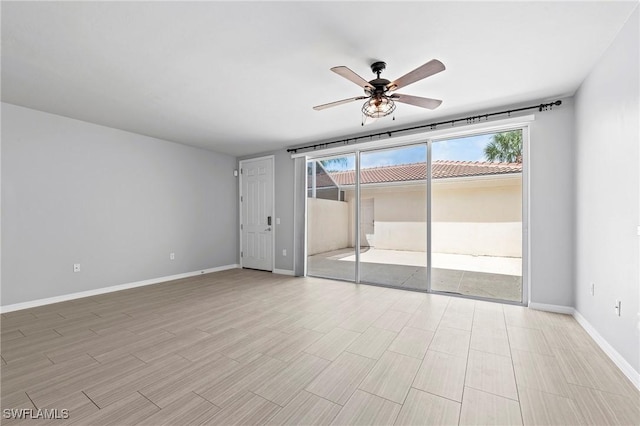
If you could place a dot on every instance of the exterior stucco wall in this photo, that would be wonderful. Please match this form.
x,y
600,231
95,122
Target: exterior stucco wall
x,y
481,216
327,225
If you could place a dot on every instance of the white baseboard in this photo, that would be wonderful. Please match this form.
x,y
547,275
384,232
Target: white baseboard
x,y
103,290
558,309
283,272
617,359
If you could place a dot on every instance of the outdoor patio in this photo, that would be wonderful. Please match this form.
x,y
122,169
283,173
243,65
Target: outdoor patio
x,y
482,276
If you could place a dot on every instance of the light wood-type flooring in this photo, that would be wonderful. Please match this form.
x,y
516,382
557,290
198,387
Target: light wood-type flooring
x,y
249,347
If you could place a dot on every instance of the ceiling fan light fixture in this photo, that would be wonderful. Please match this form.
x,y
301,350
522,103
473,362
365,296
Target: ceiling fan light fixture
x,y
378,107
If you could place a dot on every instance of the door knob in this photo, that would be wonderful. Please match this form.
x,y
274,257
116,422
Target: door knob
x,y
268,229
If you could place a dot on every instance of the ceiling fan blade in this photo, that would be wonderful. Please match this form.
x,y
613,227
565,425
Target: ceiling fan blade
x,y
432,67
351,76
417,101
336,103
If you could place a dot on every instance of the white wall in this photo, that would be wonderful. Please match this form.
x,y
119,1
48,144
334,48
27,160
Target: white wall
x,y
608,195
116,202
327,225
551,206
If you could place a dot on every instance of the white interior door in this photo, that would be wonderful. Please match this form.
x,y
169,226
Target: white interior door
x,y
256,201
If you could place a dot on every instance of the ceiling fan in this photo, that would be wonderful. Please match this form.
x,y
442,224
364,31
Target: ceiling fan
x,y
380,99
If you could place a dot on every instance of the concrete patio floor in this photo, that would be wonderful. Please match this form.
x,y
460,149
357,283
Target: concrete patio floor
x,y
481,276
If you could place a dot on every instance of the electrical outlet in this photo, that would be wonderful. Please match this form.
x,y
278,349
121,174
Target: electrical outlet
x,y
172,256
76,267
618,306
284,252
593,289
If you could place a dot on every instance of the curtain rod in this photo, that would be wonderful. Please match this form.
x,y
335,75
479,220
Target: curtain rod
x,y
431,126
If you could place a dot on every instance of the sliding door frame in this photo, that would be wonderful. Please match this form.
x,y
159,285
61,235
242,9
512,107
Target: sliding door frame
x,y
357,213
428,207
516,123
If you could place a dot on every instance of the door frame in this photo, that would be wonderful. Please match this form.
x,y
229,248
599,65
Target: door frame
x,y
428,137
272,159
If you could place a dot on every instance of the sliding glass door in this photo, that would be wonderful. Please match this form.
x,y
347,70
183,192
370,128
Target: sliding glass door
x,y
442,216
393,217
476,216
330,218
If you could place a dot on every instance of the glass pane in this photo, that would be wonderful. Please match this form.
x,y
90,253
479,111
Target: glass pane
x,y
393,217
330,223
476,211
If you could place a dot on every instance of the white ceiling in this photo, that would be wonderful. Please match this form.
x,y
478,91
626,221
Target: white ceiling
x,y
241,78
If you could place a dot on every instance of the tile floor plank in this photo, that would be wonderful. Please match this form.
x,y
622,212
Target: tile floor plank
x,y
451,341
599,408
526,339
190,409
457,320
306,409
296,342
491,340
104,394
491,373
539,372
365,409
412,342
422,408
372,343
332,344
481,408
128,411
391,377
288,382
76,378
250,376
361,320
338,381
425,320
246,409
540,408
166,390
392,320
442,374
594,370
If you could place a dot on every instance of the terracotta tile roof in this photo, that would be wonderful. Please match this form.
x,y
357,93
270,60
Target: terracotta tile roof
x,y
418,171
323,180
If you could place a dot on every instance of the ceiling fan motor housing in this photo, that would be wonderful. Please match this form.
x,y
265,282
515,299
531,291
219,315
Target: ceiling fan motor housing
x,y
378,67
379,84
